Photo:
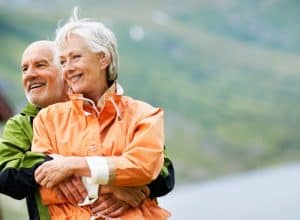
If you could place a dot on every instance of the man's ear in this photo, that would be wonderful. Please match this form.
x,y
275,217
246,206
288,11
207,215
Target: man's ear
x,y
104,60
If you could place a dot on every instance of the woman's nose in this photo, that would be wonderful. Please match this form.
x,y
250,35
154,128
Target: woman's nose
x,y
68,67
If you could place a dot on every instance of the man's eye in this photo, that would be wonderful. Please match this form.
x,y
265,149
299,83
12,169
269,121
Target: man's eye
x,y
76,56
41,65
62,62
24,69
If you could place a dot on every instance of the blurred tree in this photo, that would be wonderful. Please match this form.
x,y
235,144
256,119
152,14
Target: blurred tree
x,y
5,109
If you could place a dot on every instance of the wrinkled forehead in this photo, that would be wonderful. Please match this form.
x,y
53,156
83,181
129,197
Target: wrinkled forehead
x,y
38,52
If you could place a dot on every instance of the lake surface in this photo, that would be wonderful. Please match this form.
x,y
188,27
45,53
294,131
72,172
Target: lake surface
x,y
271,194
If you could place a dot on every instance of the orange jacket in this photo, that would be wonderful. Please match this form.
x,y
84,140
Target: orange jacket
x,y
129,134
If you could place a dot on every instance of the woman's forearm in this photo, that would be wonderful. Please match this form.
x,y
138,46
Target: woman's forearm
x,y
57,170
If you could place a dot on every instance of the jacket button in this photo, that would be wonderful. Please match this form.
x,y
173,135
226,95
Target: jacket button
x,y
93,148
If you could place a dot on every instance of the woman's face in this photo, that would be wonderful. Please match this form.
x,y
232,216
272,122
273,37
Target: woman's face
x,y
83,69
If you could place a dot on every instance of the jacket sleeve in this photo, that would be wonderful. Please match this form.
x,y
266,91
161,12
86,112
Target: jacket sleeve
x,y
142,159
17,162
41,142
165,182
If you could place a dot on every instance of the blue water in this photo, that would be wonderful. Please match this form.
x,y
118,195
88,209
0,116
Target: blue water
x,y
271,194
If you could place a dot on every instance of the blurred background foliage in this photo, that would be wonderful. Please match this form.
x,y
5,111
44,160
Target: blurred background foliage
x,y
225,71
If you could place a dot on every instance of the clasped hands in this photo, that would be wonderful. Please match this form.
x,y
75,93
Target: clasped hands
x,y
58,175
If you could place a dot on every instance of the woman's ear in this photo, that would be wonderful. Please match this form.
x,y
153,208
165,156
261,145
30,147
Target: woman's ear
x,y
104,60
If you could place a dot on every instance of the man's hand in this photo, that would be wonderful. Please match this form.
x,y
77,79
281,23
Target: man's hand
x,y
133,196
72,190
108,205
53,172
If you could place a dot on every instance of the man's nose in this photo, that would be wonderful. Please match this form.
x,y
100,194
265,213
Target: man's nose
x,y
31,72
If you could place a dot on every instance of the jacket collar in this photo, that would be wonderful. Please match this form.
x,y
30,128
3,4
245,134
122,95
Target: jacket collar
x,y
31,110
114,90
109,99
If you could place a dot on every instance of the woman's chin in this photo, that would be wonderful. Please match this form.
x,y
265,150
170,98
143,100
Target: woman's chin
x,y
76,89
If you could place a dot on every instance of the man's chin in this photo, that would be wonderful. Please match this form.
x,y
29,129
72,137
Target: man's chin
x,y
34,100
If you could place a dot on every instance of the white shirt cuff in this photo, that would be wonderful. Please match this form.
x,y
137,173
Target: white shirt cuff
x,y
99,170
92,190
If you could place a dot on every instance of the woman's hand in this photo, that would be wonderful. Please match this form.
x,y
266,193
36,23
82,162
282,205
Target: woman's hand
x,y
53,172
110,206
133,196
115,201
71,190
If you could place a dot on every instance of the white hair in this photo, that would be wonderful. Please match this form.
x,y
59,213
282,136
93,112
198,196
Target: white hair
x,y
98,37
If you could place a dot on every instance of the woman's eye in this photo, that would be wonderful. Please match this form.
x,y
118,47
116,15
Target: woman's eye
x,y
62,62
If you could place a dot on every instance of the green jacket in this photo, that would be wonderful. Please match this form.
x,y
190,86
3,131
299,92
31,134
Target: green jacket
x,y
18,163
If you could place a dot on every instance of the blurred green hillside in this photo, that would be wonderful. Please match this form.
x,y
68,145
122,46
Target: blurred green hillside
x,y
226,72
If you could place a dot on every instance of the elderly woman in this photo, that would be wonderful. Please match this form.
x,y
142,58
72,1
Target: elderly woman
x,y
107,138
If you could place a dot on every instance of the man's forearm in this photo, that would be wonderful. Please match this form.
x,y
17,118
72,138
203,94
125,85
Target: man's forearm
x,y
163,184
18,182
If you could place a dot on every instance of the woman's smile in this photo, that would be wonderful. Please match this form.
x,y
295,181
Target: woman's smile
x,y
75,78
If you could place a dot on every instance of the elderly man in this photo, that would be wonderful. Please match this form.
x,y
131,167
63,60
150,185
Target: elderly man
x,y
43,85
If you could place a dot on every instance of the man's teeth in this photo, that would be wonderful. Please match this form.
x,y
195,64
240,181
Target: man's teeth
x,y
36,85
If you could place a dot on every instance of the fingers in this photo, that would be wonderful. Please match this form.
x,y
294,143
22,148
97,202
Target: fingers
x,y
41,176
131,195
78,184
110,206
118,212
56,170
49,181
140,195
101,204
44,175
59,194
146,191
72,189
64,191
38,174
133,201
134,197
44,181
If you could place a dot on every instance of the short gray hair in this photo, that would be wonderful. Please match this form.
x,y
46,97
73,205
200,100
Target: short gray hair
x,y
98,37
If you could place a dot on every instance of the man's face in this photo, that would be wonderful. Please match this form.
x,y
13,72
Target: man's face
x,y
42,82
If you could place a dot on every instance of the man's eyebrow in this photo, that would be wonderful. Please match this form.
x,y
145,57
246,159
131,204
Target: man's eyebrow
x,y
42,61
